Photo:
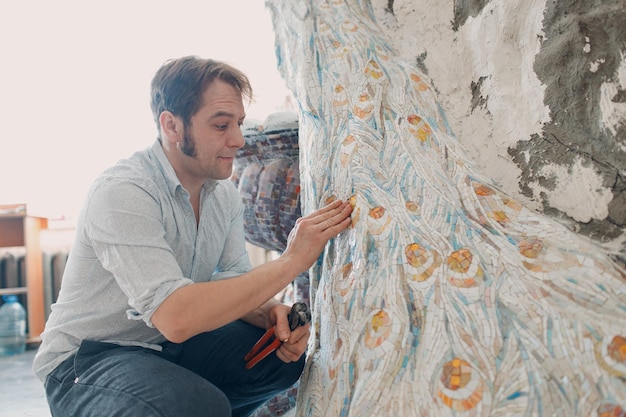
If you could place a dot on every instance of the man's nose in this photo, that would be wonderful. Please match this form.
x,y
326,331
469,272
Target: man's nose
x,y
237,140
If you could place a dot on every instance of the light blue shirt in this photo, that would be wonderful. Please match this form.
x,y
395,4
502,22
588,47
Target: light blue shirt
x,y
136,243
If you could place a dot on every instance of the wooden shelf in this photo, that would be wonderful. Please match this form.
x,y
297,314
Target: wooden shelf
x,y
17,228
11,291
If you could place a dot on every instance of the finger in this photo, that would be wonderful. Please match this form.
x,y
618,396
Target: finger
x,y
286,356
298,337
282,326
300,332
336,218
336,229
333,216
323,213
294,349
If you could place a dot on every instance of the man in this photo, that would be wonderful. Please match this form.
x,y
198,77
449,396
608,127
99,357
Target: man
x,y
159,304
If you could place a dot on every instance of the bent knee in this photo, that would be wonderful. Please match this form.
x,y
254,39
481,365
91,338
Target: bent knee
x,y
199,399
291,372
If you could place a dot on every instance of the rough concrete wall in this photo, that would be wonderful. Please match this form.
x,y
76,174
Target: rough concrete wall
x,y
536,90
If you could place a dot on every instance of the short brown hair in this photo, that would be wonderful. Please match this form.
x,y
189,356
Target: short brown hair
x,y
179,84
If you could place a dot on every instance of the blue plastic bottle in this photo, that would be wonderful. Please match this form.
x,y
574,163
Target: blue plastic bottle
x,y
12,326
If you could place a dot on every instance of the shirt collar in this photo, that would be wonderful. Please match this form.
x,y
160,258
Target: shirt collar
x,y
173,183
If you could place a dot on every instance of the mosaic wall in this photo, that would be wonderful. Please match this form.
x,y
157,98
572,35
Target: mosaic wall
x,y
446,297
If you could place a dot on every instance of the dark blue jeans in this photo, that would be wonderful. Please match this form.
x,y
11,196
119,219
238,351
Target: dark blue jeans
x,y
204,376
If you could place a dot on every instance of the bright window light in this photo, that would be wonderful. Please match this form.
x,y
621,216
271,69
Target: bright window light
x,y
75,76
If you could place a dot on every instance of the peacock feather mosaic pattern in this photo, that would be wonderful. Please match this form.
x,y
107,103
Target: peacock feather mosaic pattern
x,y
446,297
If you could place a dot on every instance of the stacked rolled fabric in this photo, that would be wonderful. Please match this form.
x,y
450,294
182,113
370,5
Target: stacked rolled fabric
x,y
266,171
267,174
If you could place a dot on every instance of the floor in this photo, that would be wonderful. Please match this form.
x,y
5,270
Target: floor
x,y
21,393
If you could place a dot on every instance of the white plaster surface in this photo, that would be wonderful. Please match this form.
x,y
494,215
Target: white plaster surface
x,y
497,50
579,191
499,44
613,113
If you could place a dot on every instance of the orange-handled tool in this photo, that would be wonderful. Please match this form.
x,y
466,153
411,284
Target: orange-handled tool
x,y
298,316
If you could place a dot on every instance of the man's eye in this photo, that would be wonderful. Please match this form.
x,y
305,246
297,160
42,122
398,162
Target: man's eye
x,y
221,127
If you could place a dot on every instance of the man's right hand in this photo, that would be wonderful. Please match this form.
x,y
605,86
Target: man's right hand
x,y
311,233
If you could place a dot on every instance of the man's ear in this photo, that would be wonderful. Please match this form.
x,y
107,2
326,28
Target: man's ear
x,y
171,127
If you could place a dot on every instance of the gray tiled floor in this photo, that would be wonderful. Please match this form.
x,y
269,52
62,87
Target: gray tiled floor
x,y
21,393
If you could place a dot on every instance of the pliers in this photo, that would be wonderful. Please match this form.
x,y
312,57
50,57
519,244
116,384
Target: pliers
x,y
298,316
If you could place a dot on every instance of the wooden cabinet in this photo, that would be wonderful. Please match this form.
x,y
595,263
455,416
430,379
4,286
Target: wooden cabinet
x,y
18,229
